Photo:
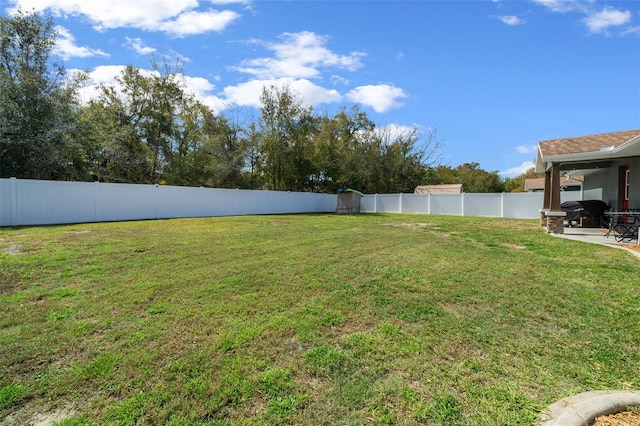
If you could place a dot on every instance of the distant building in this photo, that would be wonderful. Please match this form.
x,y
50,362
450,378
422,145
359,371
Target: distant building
x,y
566,184
454,188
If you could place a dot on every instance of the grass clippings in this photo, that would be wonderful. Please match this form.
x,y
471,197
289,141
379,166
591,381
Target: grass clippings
x,y
309,319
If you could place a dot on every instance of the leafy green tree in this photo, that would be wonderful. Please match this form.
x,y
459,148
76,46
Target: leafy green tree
x,y
38,104
232,153
286,130
123,156
254,178
470,175
401,165
338,151
517,183
140,120
188,162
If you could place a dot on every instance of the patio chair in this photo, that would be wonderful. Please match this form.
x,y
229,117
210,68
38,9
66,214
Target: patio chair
x,y
626,227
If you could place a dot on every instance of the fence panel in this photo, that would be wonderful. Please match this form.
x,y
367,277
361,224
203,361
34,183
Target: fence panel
x,y
488,205
415,203
525,205
121,201
368,203
449,204
39,202
178,201
32,202
7,202
388,203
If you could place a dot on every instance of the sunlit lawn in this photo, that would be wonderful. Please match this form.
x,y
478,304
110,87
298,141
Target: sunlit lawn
x,y
309,319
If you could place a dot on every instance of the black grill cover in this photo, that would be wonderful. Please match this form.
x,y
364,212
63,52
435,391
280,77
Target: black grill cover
x,y
587,208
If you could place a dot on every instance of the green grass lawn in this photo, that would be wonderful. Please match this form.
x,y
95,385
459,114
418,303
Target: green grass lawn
x,y
309,319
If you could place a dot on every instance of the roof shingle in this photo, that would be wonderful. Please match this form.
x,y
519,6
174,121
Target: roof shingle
x,y
591,143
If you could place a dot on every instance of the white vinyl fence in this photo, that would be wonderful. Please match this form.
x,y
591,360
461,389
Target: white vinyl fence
x,y
35,202
522,205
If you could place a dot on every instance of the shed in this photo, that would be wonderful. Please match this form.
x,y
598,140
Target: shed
x,y
348,201
453,188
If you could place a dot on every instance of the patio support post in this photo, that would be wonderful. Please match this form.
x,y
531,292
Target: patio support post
x,y
546,199
555,188
555,215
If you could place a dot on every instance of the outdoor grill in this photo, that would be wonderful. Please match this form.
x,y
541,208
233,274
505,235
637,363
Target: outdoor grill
x,y
579,210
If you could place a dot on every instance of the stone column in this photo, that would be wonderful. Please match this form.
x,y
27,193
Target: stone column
x,y
543,217
555,222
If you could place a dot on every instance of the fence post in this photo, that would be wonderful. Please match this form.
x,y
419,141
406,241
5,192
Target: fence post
x,y
400,202
462,204
95,200
201,201
429,203
13,201
156,195
375,203
502,205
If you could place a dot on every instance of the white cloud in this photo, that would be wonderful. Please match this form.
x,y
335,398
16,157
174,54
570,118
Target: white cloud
x,y
564,5
202,88
226,2
518,170
248,94
527,149
66,46
395,131
510,20
138,46
298,55
338,79
596,21
606,18
381,97
150,15
190,23
105,74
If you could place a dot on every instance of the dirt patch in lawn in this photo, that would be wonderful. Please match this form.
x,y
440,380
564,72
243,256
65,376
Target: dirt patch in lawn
x,y
14,249
410,225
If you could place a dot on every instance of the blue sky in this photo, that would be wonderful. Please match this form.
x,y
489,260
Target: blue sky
x,y
493,76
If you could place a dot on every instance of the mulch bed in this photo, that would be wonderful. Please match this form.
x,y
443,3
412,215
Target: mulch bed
x,y
625,418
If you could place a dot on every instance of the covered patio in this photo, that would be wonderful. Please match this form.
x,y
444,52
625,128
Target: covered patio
x,y
609,163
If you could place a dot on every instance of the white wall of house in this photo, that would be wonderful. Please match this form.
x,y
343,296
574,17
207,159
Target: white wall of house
x,y
605,184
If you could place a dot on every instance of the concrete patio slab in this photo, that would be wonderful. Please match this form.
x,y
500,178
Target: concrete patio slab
x,y
598,236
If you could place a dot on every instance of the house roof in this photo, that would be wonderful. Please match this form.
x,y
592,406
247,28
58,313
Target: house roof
x,y
602,146
454,188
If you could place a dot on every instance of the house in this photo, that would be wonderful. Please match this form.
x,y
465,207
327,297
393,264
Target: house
x,y
566,184
454,188
609,164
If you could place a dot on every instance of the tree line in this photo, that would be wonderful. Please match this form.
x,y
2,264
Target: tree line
x,y
149,129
